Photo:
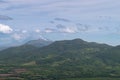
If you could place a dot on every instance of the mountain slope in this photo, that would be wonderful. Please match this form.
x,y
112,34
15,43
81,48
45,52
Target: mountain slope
x,y
2,48
67,48
111,56
78,58
16,54
67,58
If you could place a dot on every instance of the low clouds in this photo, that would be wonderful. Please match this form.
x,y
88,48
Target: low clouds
x,y
82,27
49,30
24,31
62,19
60,26
5,29
69,30
2,17
37,31
59,17
66,29
70,26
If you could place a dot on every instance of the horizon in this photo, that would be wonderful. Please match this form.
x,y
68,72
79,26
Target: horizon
x,y
66,40
91,20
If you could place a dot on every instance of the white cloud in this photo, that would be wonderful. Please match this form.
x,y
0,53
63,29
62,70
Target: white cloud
x,y
49,30
5,29
69,30
37,30
24,31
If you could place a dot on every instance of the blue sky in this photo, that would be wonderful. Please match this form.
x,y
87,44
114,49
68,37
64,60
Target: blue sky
x,y
91,20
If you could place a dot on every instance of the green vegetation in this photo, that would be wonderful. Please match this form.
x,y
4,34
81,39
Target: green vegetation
x,y
92,79
61,60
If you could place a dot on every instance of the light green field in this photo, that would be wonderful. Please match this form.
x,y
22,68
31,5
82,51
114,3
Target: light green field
x,y
92,79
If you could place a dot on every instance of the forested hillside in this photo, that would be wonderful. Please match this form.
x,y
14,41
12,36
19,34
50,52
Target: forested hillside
x,y
65,59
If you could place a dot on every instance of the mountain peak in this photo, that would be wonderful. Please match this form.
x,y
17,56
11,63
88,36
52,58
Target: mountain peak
x,y
39,43
78,40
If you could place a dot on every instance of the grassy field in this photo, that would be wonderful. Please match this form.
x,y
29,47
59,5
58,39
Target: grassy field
x,y
92,79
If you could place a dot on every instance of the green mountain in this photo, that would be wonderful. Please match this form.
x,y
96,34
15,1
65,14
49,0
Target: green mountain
x,y
16,54
67,48
67,59
2,48
111,56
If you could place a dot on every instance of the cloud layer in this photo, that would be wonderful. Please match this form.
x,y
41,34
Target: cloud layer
x,y
5,29
52,18
2,17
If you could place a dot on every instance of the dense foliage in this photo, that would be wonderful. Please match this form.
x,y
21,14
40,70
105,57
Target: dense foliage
x,y
62,59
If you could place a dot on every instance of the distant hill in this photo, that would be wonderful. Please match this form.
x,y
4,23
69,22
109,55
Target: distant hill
x,y
39,42
1,48
67,49
68,58
23,50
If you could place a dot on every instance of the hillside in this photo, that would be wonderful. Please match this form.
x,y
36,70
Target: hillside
x,y
111,56
66,59
66,48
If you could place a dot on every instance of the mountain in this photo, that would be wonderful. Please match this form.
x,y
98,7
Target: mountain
x,y
18,52
2,48
111,56
67,59
66,48
39,43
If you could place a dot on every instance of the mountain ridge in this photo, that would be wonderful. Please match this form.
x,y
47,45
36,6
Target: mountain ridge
x,y
39,42
64,46
67,58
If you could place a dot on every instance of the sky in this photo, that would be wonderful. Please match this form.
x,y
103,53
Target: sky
x,y
90,20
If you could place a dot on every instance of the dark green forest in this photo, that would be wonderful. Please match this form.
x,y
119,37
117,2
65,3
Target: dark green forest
x,y
61,60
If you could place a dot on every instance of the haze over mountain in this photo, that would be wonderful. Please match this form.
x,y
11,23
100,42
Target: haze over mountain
x,y
39,43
